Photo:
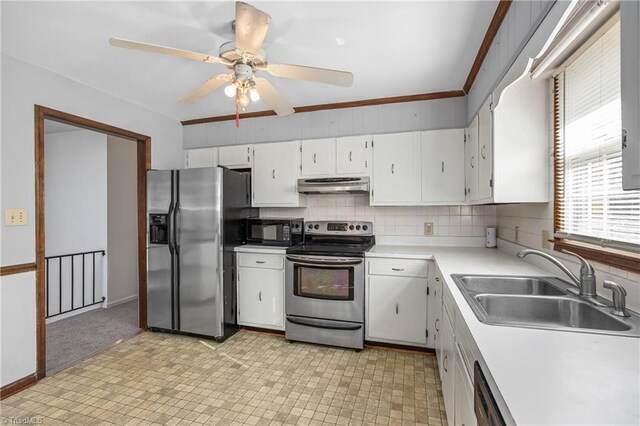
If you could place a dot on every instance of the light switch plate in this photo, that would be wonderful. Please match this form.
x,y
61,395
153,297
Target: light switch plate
x,y
428,228
15,217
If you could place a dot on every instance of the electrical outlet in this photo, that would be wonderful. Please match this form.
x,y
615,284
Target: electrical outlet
x,y
546,239
15,217
428,228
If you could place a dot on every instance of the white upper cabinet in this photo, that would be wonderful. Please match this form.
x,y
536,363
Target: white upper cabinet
x,y
396,169
352,155
443,166
236,156
471,160
485,151
201,157
275,174
630,89
318,157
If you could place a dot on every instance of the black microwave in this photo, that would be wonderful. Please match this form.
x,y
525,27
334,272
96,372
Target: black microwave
x,y
275,232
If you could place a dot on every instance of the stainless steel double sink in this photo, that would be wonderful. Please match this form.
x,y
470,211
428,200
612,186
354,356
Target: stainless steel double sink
x,y
540,302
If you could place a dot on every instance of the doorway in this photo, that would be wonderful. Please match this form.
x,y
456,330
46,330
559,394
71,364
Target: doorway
x,y
90,244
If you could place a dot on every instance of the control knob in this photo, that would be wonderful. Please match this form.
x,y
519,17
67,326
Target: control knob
x,y
365,227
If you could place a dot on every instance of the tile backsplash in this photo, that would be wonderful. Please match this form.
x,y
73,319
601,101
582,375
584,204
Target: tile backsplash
x,y
448,221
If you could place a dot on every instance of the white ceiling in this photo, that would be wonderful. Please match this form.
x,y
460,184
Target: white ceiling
x,y
392,48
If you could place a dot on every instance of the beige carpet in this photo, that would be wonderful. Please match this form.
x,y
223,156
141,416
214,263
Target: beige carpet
x,y
254,379
76,338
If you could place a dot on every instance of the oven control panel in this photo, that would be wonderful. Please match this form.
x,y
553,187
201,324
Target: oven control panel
x,y
324,227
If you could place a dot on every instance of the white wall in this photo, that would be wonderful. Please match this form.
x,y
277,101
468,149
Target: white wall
x,y
449,221
403,117
75,214
122,247
521,21
23,86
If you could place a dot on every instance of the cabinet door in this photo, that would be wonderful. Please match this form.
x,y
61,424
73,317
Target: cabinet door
x,y
275,174
318,157
630,90
235,156
261,297
485,151
447,363
463,388
443,165
471,160
352,155
396,169
434,311
397,309
202,157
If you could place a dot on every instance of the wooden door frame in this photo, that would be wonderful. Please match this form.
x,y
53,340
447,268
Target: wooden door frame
x,y
143,164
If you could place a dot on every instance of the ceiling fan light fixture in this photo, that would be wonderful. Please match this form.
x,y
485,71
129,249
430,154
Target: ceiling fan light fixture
x,y
230,90
244,100
254,95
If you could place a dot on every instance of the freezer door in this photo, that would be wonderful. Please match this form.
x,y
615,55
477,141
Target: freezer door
x,y
160,271
199,251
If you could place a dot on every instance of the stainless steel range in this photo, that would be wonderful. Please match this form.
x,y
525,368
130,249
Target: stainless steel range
x,y
324,284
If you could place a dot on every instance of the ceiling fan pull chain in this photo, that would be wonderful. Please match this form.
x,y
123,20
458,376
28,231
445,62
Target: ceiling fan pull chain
x,y
237,110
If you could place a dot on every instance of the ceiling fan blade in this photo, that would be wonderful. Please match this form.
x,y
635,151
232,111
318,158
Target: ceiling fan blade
x,y
146,47
251,27
319,75
272,97
205,88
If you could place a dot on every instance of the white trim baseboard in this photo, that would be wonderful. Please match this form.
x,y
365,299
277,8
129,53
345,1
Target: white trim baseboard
x,y
109,304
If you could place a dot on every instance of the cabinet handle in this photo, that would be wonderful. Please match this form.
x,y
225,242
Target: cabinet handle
x,y
437,322
248,158
393,168
397,309
438,279
260,296
273,173
315,158
260,261
350,153
248,150
397,269
472,162
483,152
366,164
443,167
366,144
444,363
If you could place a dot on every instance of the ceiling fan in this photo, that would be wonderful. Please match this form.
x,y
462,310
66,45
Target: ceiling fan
x,y
244,57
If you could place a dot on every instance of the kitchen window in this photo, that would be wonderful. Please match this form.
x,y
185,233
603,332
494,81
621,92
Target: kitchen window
x,y
594,217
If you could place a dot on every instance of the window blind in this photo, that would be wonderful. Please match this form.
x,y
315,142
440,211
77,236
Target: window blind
x,y
590,203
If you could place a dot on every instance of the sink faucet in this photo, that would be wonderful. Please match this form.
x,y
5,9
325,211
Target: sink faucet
x,y
587,281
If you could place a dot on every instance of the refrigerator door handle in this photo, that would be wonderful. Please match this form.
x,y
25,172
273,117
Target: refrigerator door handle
x,y
177,222
170,227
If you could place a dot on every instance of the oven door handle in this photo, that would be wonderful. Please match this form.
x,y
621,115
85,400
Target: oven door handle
x,y
323,324
330,261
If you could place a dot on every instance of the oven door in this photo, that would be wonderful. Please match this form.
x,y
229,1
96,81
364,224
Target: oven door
x,y
325,287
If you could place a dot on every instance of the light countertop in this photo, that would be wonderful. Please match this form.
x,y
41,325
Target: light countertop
x,y
248,248
545,377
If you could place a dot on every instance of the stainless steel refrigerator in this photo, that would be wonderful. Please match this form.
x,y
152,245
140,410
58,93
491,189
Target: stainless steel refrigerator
x,y
195,219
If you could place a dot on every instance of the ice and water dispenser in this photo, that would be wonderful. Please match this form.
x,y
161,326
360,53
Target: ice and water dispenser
x,y
158,231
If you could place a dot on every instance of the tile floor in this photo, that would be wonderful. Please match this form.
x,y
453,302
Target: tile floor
x,y
255,379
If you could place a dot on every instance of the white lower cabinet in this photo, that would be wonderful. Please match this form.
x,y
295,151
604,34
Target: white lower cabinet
x,y
260,287
434,309
396,304
446,362
464,414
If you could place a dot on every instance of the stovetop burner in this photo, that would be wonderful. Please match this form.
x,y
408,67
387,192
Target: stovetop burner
x,y
335,238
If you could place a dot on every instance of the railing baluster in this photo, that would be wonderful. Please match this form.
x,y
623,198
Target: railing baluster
x,y
83,275
94,279
60,284
72,292
47,287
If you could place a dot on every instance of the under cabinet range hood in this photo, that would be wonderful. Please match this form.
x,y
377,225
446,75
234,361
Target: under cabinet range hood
x,y
334,185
